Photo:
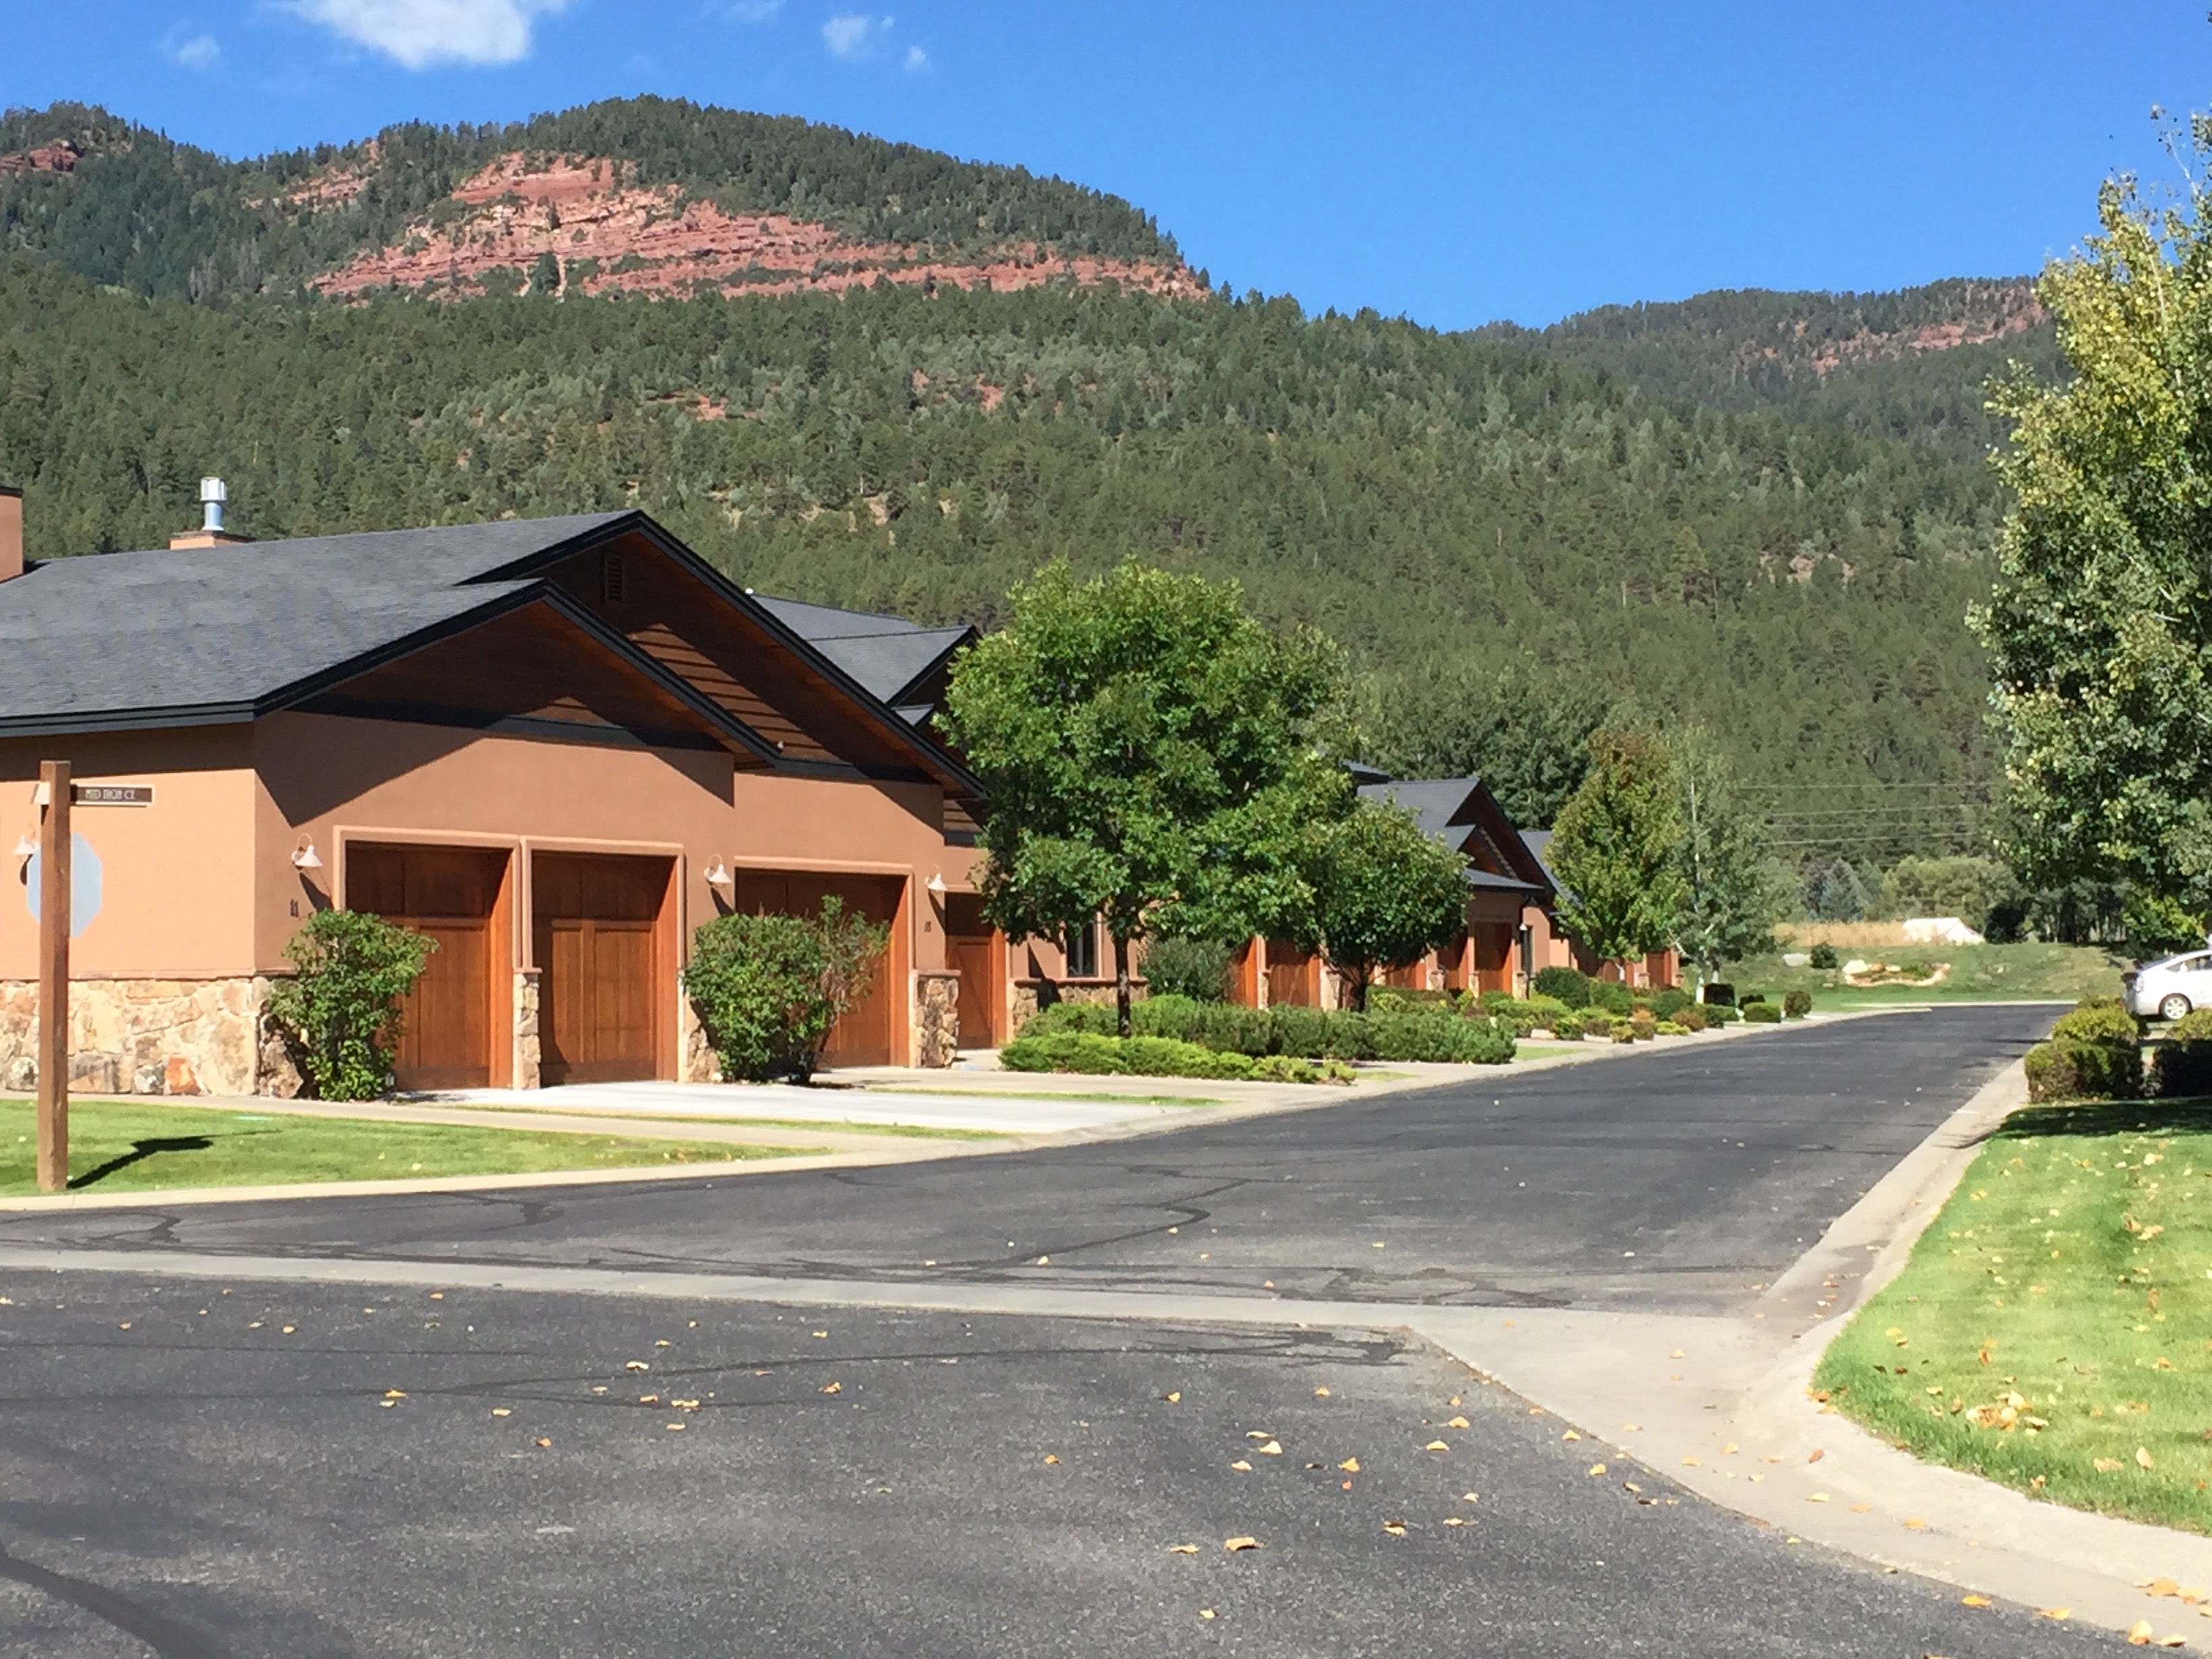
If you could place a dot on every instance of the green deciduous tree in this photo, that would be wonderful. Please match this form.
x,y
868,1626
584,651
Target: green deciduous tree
x,y
769,987
1384,894
1731,892
341,1007
1617,848
2099,628
1150,753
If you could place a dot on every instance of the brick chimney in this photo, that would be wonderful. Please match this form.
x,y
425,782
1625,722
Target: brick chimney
x,y
211,532
12,531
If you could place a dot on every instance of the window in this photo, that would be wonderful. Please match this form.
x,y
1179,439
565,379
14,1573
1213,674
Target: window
x,y
1083,952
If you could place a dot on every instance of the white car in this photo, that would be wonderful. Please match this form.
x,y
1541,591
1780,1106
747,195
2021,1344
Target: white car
x,y
2170,989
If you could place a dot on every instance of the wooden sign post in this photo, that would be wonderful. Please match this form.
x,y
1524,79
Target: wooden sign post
x,y
53,977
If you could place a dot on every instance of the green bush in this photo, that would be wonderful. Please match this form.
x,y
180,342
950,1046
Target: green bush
x,y
1194,967
1060,1017
1797,1003
1225,1025
2066,1070
1824,956
1719,993
1537,1013
2182,1063
340,1009
1569,985
1669,1028
1382,997
1762,1013
769,987
1567,1027
1749,999
1109,1056
1614,999
1491,1001
2097,1020
1669,1003
1438,1036
1721,1014
1281,1068
1642,1026
1692,1019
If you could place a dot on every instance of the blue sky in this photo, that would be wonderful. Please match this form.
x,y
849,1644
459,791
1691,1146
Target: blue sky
x,y
1456,163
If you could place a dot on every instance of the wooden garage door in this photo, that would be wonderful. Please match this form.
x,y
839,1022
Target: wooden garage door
x,y
971,949
447,894
863,1036
596,918
1291,975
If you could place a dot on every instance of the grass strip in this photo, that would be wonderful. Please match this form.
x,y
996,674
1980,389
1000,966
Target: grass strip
x,y
819,1125
2049,1331
146,1148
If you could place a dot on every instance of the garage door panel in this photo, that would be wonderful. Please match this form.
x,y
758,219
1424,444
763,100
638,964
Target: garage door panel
x,y
448,895
863,1037
597,917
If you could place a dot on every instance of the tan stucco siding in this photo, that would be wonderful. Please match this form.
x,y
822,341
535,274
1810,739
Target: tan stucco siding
x,y
177,876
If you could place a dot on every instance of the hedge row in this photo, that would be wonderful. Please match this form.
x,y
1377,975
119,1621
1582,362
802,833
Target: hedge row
x,y
1098,1055
2094,1052
1396,1031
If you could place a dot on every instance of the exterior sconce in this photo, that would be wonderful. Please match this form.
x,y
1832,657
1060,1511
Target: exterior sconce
x,y
26,848
720,878
303,855
936,884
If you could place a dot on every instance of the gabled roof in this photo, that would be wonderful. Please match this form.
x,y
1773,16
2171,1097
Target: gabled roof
x,y
176,636
889,655
1463,814
1441,805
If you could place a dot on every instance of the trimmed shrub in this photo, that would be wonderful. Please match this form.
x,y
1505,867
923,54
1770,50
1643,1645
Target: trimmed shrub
x,y
1721,1014
2065,1070
1491,1001
2182,1064
1567,1027
1382,997
1692,1019
1824,957
2097,1020
1668,1004
1749,999
1536,1014
1441,1037
1096,1018
1669,1027
769,989
1103,1056
1569,985
1795,1004
1762,1013
1224,1026
340,1009
1614,999
1719,993
1642,1026
1194,968
1281,1068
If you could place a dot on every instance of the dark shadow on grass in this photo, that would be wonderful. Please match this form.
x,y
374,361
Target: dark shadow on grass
x,y
2190,1115
141,1150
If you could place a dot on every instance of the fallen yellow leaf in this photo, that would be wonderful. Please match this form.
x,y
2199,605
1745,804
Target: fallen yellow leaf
x,y
636,1365
395,1394
2143,1457
2159,1587
678,1427
1817,1497
543,1441
1233,1545
1052,1457
1182,1549
1693,1463
1975,1602
1172,1396
1469,1497
1321,1394
1205,1612
1241,1467
831,1388
1436,1445
502,1411
1349,1466
1570,1435
2054,1612
2139,1634
1459,1423
1453,1520
1395,1528
1597,1468
1914,1523
1273,1448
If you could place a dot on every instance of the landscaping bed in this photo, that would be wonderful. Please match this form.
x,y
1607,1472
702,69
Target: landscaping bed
x,y
2050,1332
115,1147
1975,972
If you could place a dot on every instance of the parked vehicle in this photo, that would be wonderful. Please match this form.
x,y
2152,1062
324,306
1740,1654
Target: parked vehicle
x,y
2169,989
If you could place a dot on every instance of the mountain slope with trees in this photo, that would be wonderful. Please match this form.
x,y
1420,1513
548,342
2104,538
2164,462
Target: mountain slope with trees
x,y
1516,534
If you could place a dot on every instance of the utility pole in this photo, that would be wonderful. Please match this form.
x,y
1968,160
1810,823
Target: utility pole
x,y
53,977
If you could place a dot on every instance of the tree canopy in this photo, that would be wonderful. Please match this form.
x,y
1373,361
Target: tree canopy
x,y
1151,754
2099,628
1384,894
1617,848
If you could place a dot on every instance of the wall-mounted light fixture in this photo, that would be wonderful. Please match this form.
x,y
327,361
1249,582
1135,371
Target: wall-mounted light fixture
x,y
936,884
26,848
720,878
303,855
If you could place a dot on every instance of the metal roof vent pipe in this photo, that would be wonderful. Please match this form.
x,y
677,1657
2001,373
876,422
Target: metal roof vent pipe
x,y
12,531
210,533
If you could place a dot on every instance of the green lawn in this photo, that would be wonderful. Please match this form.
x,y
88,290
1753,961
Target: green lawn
x,y
1979,972
145,1148
2050,1332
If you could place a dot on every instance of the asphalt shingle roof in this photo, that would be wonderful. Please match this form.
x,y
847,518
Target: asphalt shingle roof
x,y
885,654
1439,804
100,639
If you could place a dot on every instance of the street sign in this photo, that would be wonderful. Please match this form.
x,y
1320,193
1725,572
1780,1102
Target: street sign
x,y
113,794
85,884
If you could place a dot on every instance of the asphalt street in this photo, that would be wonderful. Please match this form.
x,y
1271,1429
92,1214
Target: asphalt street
x,y
211,1471
199,1467
1674,1180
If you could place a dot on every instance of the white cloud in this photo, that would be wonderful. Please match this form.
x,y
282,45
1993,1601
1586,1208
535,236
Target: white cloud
x,y
853,35
752,11
418,34
917,60
187,50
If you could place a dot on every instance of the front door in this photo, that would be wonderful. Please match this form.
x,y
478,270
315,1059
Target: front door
x,y
1290,976
971,949
446,894
596,920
